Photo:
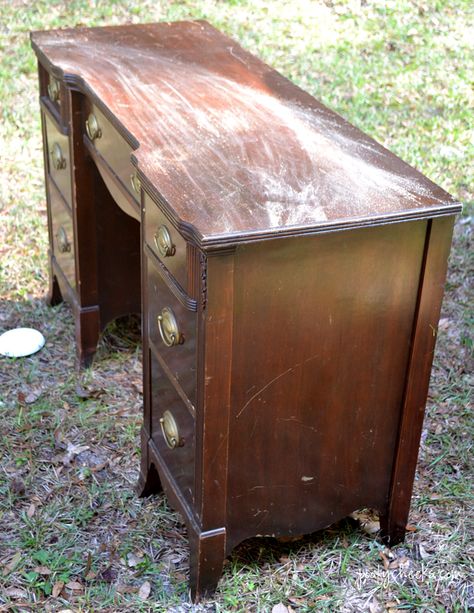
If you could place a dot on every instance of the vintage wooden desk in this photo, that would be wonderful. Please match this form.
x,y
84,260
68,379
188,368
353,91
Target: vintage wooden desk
x,y
292,273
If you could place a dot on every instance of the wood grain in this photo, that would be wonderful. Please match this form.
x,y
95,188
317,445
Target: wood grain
x,y
233,149
306,279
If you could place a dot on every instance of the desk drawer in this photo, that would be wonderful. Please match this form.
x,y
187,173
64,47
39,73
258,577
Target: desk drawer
x,y
62,239
113,148
172,331
59,159
173,429
165,242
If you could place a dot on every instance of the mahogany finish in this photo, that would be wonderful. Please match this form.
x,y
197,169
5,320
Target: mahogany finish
x,y
289,269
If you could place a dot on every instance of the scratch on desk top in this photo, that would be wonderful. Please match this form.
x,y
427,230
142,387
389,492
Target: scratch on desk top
x,y
230,144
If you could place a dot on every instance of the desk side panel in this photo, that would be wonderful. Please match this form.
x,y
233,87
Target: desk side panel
x,y
322,333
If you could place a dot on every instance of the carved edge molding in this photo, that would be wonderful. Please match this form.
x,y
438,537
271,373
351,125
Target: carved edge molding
x,y
203,277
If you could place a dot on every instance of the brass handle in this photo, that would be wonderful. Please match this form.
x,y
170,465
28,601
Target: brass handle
x,y
135,183
57,157
169,427
92,127
53,89
168,327
63,244
163,242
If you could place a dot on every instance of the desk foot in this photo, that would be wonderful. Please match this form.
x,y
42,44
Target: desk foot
x,y
206,560
87,334
393,529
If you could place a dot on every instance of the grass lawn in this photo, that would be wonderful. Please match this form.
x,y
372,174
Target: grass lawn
x,y
73,536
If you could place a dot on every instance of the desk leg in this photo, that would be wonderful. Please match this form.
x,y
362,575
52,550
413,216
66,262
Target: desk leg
x,y
87,323
208,543
207,555
430,294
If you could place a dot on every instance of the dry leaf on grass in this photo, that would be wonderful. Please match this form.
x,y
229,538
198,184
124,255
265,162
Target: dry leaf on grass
x,y
385,560
85,393
57,588
298,602
31,511
12,564
444,323
420,552
17,487
16,593
370,527
375,607
368,521
402,562
134,559
43,570
144,590
126,589
281,608
108,575
74,586
33,396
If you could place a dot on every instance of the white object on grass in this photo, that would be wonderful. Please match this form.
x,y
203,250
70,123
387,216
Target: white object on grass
x,y
20,342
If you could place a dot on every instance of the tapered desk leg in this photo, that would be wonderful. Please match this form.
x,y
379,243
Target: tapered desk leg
x,y
87,322
438,241
206,560
208,544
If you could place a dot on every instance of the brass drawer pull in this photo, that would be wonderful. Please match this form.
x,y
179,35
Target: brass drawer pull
x,y
92,127
168,327
53,89
57,157
135,183
64,245
169,427
163,242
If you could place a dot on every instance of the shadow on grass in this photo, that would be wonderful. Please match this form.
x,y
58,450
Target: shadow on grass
x,y
268,550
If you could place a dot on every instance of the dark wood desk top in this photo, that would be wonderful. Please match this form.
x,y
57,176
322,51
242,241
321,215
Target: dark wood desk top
x,y
235,150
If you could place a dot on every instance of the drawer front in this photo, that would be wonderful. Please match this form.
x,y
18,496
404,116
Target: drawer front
x,y
172,424
59,160
62,240
112,147
165,242
178,321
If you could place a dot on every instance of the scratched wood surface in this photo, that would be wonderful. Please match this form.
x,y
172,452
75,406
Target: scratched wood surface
x,y
319,380
299,387
231,145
